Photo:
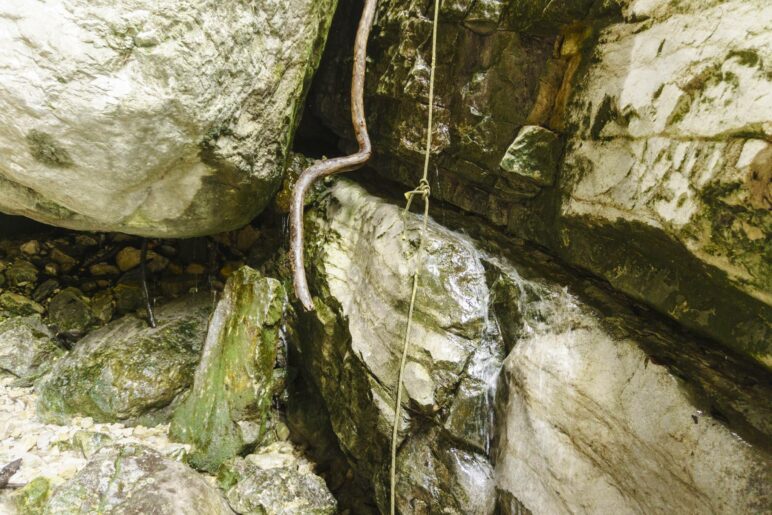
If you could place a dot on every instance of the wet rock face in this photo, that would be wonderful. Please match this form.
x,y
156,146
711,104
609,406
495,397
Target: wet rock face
x,y
489,81
591,424
351,348
661,189
228,406
155,118
595,409
136,479
127,370
275,481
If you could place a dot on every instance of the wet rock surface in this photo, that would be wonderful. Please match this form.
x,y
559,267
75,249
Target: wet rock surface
x,y
659,189
131,124
128,370
577,361
228,406
352,344
670,138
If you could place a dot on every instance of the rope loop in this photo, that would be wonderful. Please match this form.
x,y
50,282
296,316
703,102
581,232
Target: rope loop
x,y
425,192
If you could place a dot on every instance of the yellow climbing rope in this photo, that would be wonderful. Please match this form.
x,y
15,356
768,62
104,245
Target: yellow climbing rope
x,y
424,191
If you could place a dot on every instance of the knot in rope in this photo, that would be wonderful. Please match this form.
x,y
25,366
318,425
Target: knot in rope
x,y
422,189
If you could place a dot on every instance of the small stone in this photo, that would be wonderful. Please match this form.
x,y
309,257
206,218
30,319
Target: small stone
x,y
31,499
31,248
89,442
128,258
166,250
195,269
103,306
86,241
45,290
70,312
419,385
274,481
246,237
231,266
51,269
533,156
27,348
156,262
15,304
128,297
21,273
65,261
102,269
43,442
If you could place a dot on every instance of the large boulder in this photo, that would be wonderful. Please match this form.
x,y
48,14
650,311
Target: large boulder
x,y
351,346
128,370
227,408
136,479
631,138
666,179
595,408
601,413
157,118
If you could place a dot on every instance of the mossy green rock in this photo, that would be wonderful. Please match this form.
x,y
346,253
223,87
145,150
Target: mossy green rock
x,y
132,479
14,304
31,499
69,311
21,273
127,370
227,408
27,347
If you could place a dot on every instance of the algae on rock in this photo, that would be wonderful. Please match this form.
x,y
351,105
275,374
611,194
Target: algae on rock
x,y
27,347
127,370
227,408
136,479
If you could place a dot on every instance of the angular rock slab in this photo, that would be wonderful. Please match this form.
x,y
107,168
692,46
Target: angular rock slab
x,y
275,481
589,422
27,347
667,174
228,406
361,268
127,370
165,118
135,479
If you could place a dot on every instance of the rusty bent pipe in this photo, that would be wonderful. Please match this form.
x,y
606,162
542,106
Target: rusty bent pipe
x,y
336,165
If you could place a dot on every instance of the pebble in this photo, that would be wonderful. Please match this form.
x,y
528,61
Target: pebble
x,y
128,258
31,248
